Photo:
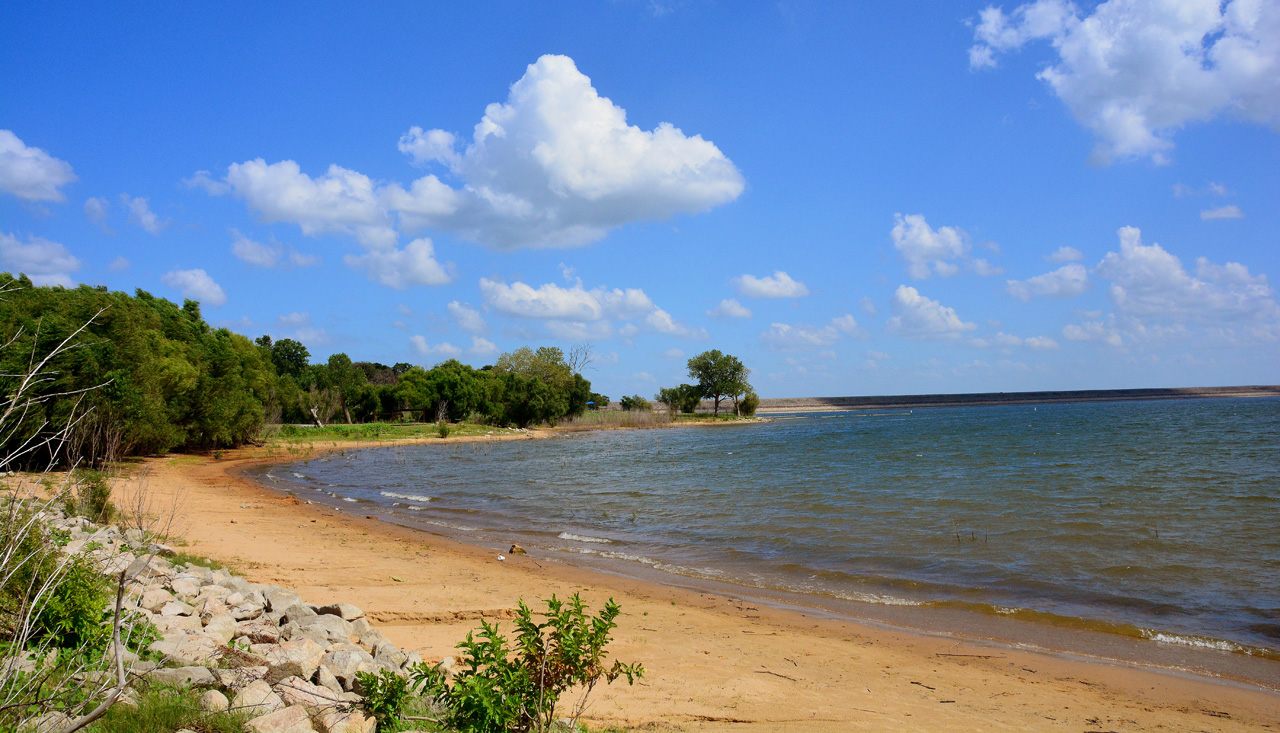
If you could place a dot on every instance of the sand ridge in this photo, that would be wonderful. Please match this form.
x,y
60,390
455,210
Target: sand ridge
x,y
713,662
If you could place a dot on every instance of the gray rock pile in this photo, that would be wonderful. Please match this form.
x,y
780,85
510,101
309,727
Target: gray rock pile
x,y
260,648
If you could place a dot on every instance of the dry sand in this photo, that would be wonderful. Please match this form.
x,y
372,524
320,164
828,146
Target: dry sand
x,y
713,663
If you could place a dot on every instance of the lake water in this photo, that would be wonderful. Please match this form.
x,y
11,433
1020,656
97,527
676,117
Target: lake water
x,y
1151,519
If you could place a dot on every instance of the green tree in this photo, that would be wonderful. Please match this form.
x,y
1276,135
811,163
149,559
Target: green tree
x,y
718,376
290,357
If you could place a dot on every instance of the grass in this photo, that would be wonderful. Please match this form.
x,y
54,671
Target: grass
x,y
165,710
295,435
186,558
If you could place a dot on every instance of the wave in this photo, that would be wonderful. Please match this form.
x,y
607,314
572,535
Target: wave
x,y
1199,642
407,497
583,538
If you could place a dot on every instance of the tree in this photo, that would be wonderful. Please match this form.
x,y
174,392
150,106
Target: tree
x,y
290,357
635,402
346,379
684,398
719,376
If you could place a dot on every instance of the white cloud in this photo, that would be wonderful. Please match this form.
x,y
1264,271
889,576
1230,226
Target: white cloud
x,y
925,249
777,285
43,261
1222,212
205,180
1008,340
118,264
1136,71
551,301
341,200
1065,254
662,322
30,173
398,268
140,213
557,165
466,317
943,252
869,307
95,209
269,255
673,354
574,312
804,337
482,347
1063,282
294,320
730,308
1097,330
1149,282
196,285
445,350
918,316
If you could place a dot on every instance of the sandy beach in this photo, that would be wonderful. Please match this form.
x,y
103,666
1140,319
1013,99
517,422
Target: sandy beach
x,y
713,662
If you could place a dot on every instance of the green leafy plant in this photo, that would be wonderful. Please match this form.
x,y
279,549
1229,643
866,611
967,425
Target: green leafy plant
x,y
500,687
443,429
385,695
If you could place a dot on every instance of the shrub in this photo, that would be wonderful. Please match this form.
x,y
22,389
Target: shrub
x,y
499,688
747,406
442,429
385,695
635,402
92,498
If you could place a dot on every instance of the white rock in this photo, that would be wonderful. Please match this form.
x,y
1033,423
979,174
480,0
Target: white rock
x,y
214,702
289,720
258,699
335,721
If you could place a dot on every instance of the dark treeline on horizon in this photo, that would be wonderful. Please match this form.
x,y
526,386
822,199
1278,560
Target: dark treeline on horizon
x,y
147,376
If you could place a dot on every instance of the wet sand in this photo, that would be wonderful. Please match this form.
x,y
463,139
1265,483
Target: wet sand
x,y
714,661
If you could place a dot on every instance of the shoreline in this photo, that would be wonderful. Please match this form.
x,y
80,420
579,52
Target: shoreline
x,y
783,405
1081,637
433,619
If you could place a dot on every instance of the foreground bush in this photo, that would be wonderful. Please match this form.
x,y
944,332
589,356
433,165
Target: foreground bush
x,y
500,687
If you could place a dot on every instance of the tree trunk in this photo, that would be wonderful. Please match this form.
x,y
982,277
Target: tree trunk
x,y
717,408
315,415
347,413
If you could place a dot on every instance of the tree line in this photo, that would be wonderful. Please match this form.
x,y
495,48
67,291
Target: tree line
x,y
143,375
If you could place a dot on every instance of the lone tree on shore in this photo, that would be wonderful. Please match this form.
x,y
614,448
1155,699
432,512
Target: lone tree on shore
x,y
719,376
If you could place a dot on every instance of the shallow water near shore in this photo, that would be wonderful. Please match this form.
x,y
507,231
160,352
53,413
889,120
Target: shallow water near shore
x,y
1155,520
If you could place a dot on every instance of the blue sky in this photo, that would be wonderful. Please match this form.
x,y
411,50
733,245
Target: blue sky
x,y
856,198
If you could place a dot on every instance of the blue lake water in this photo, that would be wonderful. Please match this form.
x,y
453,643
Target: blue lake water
x,y
1156,519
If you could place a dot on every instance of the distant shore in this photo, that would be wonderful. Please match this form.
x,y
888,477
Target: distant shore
x,y
829,404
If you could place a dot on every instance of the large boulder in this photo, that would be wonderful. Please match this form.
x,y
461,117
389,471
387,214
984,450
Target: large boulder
x,y
293,658
221,627
183,676
257,699
344,611
213,701
289,720
332,627
345,665
297,691
279,599
191,650
351,721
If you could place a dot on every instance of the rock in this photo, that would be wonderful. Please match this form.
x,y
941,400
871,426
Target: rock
x,y
246,610
297,691
189,650
294,658
517,550
336,721
360,626
176,608
325,679
258,699
230,582
412,659
279,599
176,676
370,639
156,548
185,585
210,607
333,627
259,632
344,611
222,628
344,665
289,720
167,624
154,600
390,657
47,723
213,701
298,613
234,680
369,667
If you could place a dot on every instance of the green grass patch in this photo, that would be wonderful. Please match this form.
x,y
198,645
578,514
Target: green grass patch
x,y
287,435
187,558
165,710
